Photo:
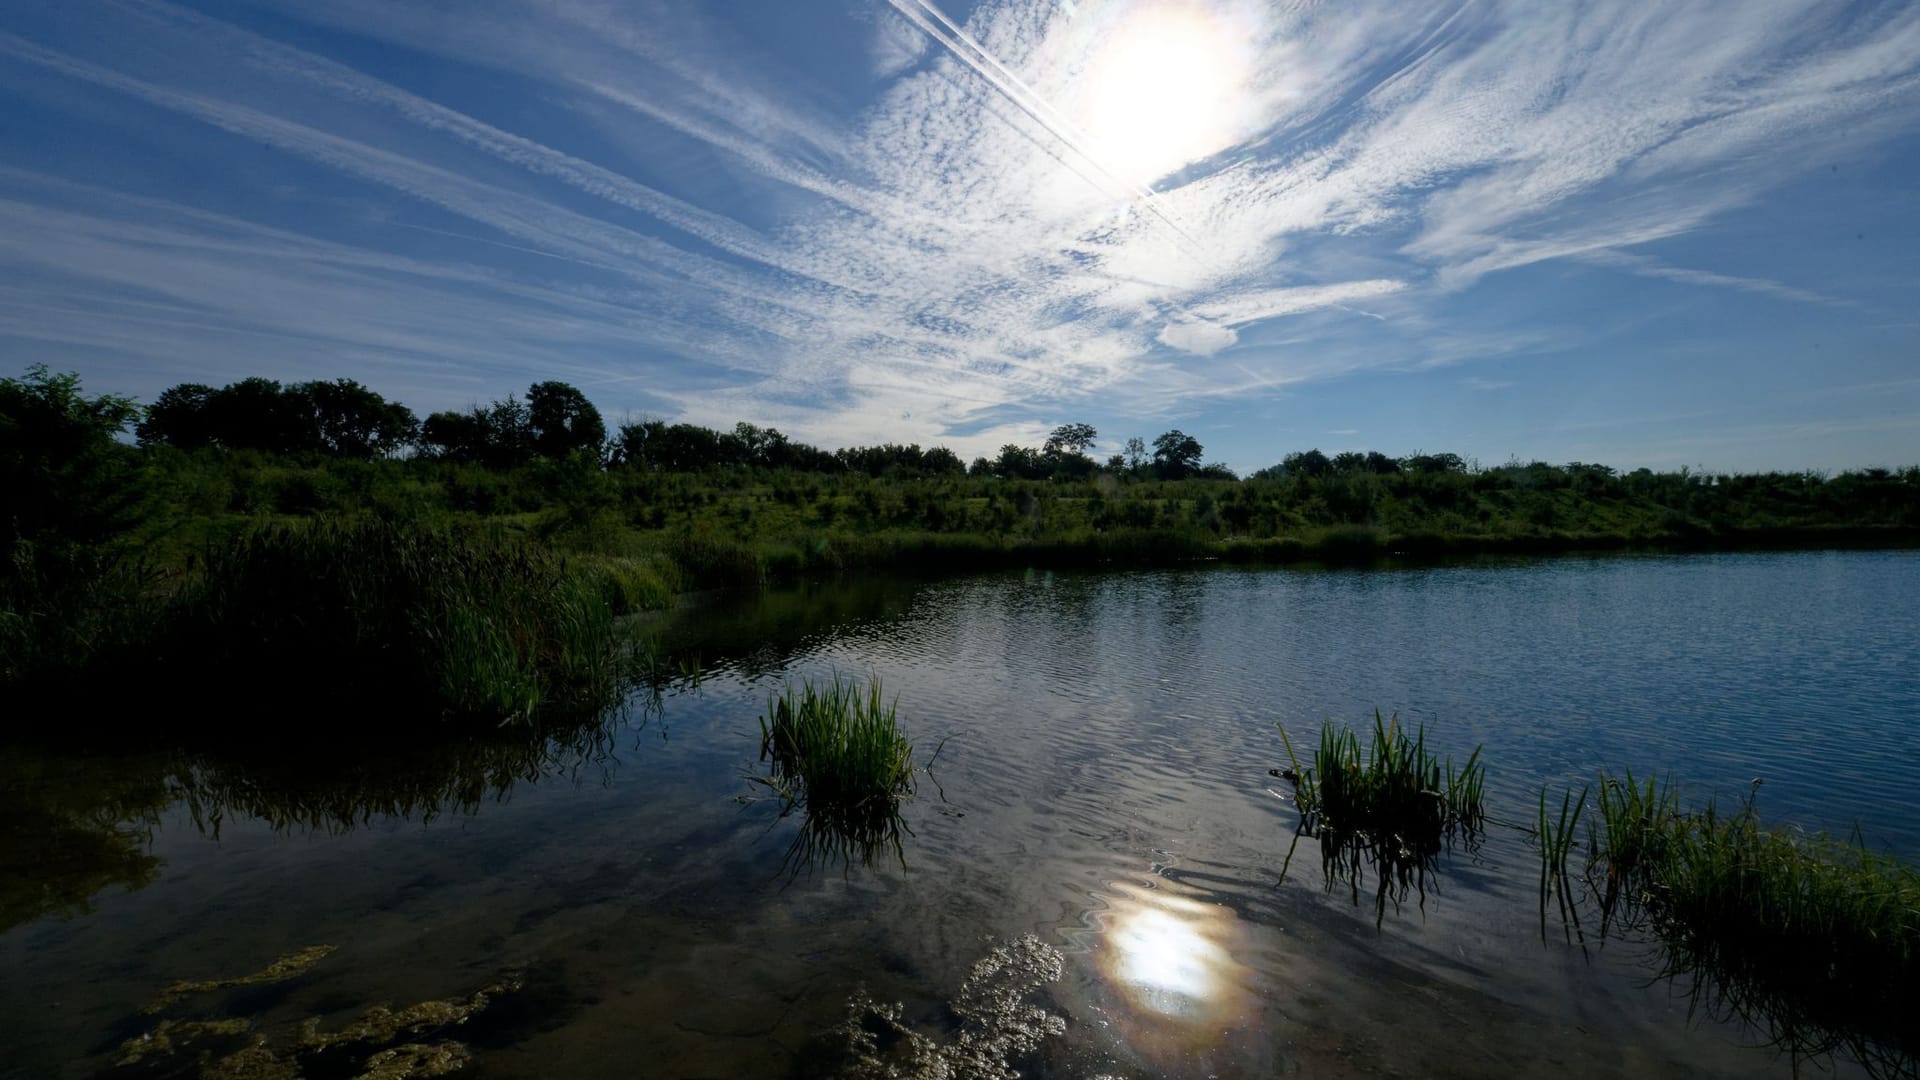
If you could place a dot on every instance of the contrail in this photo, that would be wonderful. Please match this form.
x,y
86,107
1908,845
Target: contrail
x,y
922,13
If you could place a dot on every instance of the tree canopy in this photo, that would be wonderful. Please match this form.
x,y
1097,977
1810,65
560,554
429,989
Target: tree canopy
x,y
1176,455
63,477
341,417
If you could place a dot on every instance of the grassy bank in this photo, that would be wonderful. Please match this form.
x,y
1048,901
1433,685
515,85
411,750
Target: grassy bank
x,y
740,525
358,625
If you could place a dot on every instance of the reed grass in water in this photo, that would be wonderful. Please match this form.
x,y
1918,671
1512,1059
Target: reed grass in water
x,y
1396,788
838,750
1393,805
1813,940
375,617
843,745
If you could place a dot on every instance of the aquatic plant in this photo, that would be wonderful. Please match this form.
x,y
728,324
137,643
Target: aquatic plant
x,y
837,748
287,967
1555,835
997,1025
366,616
838,753
1812,940
1392,807
1631,841
1397,788
384,1044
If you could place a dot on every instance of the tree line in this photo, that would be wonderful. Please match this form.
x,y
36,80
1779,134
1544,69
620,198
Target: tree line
x,y
554,420
342,418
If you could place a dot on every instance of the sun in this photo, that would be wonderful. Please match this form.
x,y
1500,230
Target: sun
x,y
1167,87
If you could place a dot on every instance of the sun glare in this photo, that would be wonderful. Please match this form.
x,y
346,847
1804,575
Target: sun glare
x,y
1167,88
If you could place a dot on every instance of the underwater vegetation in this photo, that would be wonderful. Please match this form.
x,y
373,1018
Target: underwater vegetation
x,y
383,1044
837,753
1394,806
997,1026
1813,942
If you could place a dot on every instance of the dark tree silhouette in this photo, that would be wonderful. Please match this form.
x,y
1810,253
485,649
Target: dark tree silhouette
x,y
182,416
561,421
1069,439
1307,463
1176,455
497,436
259,414
63,478
350,420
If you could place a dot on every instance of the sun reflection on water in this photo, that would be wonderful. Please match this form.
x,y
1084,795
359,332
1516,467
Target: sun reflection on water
x,y
1172,961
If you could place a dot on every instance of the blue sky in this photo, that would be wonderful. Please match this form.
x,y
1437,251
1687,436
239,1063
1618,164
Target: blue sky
x,y
1641,234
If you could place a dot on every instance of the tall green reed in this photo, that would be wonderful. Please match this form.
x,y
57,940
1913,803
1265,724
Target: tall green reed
x,y
355,618
838,752
1813,941
1393,804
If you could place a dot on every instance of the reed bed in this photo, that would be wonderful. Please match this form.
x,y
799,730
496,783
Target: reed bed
x,y
838,751
1814,940
372,617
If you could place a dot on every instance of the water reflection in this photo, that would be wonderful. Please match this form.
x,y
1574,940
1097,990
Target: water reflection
x,y
1173,961
71,827
825,840
73,824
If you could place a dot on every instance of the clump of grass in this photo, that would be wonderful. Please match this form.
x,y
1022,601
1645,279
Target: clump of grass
x,y
1813,940
1632,842
1395,804
839,752
376,616
1397,788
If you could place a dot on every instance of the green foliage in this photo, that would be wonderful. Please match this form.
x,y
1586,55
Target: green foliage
x,y
561,421
373,618
341,418
497,436
1812,940
70,501
63,477
839,753
1393,806
1176,455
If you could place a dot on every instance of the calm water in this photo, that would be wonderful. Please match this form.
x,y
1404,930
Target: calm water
x,y
1102,784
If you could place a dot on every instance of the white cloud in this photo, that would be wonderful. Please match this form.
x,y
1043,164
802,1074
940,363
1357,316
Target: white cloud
x,y
1197,336
980,239
896,45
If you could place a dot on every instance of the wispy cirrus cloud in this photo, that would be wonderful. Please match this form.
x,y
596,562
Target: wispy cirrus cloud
x,y
1034,210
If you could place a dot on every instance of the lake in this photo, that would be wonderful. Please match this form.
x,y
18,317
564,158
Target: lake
x,y
1101,783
